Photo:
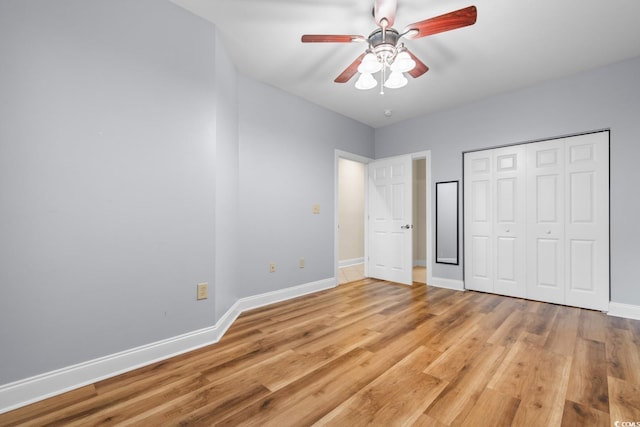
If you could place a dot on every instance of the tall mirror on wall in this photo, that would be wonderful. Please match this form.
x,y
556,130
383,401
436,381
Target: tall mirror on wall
x,y
447,222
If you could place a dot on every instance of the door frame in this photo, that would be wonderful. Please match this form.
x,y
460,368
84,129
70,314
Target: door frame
x,y
426,155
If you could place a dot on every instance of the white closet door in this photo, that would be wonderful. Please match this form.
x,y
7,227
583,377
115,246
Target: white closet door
x,y
537,221
478,219
509,221
587,225
545,221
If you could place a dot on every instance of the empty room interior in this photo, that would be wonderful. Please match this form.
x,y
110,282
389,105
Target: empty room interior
x,y
213,213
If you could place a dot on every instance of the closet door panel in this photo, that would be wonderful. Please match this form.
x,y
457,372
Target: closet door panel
x,y
478,218
509,224
545,221
506,252
587,225
481,268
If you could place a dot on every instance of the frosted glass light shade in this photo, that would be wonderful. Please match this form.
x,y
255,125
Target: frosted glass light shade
x,y
396,80
366,81
403,62
369,64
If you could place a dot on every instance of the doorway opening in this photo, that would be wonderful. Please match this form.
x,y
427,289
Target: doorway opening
x,y
352,228
351,220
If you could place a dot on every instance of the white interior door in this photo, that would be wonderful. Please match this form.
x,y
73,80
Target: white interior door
x,y
587,224
545,224
510,222
478,219
390,220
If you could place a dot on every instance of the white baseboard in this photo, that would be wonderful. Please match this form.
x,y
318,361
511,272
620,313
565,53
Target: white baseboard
x,y
256,301
352,261
439,282
23,392
624,310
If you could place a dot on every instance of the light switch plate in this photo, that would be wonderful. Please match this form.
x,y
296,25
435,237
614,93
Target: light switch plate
x,y
316,209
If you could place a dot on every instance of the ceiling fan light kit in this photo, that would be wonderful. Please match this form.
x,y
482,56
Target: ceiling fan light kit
x,y
386,51
379,57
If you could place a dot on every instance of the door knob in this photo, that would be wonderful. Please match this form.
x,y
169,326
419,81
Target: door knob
x,y
406,227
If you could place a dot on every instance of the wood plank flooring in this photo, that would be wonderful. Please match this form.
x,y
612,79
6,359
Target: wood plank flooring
x,y
377,353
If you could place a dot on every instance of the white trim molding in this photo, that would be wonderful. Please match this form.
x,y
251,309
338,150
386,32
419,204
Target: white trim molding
x,y
256,301
23,392
350,262
440,282
628,311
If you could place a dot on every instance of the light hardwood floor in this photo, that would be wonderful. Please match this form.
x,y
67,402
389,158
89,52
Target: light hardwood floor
x,y
376,353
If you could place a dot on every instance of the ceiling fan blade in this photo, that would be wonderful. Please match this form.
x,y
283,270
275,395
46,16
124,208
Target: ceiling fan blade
x,y
448,21
385,9
350,71
420,67
331,38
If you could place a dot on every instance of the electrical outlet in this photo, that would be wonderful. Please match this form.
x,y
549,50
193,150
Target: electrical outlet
x,y
301,263
203,291
272,267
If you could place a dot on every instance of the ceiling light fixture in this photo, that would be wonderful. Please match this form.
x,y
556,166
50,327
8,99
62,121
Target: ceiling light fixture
x,y
396,80
403,62
369,64
385,53
366,81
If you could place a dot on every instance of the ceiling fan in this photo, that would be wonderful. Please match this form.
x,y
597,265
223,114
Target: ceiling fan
x,y
385,47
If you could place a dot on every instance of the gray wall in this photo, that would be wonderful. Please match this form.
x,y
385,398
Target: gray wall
x,y
135,163
287,152
607,97
107,178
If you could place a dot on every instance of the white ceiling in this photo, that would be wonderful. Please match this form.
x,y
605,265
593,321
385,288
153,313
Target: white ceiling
x,y
514,43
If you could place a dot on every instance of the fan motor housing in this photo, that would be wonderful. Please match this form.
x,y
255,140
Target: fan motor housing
x,y
383,43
